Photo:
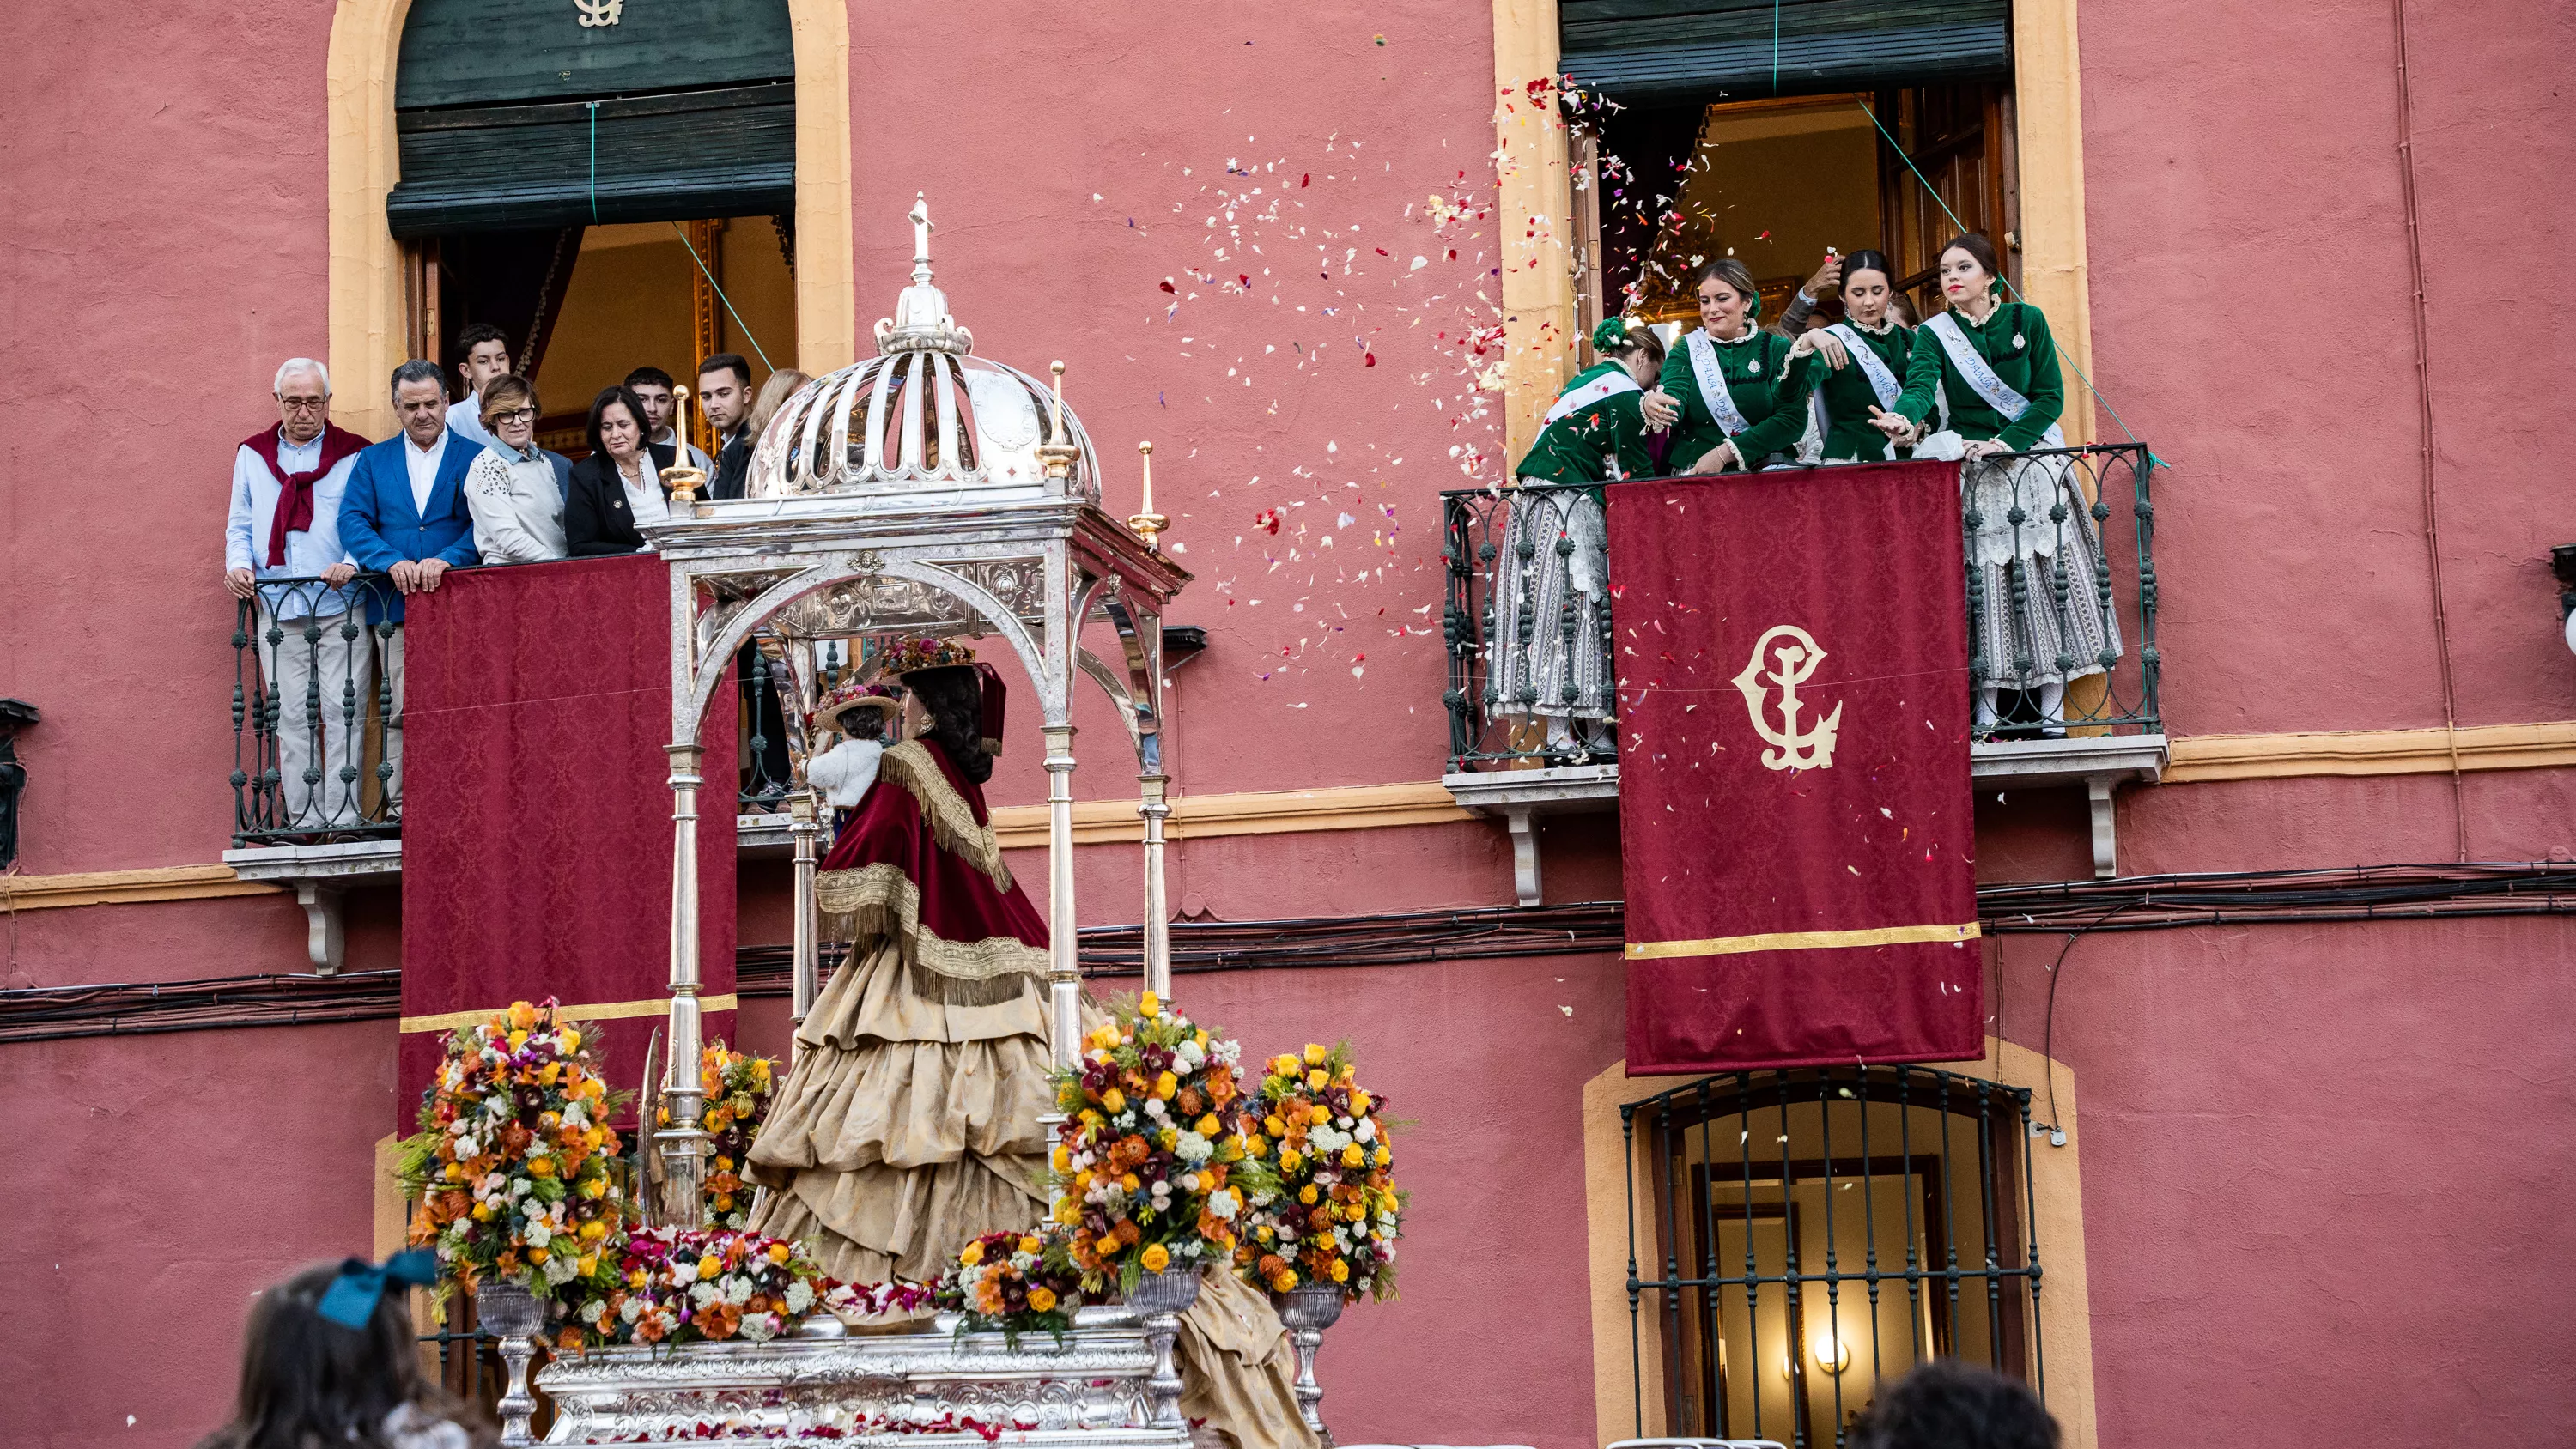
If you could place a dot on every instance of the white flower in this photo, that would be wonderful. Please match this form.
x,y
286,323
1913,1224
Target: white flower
x,y
1223,1204
595,1310
1367,1130
702,1294
631,1309
1154,1107
800,1296
737,1289
539,1234
560,1268
760,1327
1194,1148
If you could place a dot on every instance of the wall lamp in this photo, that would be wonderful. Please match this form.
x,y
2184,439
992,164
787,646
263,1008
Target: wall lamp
x,y
15,715
2562,562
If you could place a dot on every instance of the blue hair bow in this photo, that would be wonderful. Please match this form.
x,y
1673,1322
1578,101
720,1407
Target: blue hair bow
x,y
352,1297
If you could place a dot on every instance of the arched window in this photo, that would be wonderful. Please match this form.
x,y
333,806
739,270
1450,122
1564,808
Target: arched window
x,y
1797,1239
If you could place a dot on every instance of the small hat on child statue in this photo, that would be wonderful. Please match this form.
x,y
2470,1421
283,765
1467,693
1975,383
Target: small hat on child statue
x,y
885,699
925,652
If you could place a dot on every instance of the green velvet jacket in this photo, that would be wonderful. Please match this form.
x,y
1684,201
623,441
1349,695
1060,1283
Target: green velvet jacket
x,y
1753,364
1848,395
2016,344
1578,447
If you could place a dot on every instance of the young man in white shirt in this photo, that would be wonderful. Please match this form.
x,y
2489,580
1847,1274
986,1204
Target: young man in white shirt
x,y
288,481
483,353
652,388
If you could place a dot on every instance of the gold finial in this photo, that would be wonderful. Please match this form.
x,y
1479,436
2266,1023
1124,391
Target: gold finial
x,y
681,478
1149,523
1057,454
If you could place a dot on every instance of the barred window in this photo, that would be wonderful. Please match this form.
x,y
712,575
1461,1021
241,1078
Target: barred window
x,y
1797,1239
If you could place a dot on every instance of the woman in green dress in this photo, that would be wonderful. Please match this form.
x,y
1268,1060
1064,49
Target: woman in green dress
x,y
1718,391
1843,387
1544,622
2038,597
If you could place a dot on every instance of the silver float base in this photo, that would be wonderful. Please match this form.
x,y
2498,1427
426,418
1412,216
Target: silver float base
x,y
1089,1394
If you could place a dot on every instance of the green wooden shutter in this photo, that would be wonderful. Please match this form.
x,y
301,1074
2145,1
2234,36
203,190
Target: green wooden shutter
x,y
513,115
1710,50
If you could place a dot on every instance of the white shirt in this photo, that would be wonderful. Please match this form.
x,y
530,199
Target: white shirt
x,y
698,458
422,463
254,513
518,513
465,419
845,771
644,497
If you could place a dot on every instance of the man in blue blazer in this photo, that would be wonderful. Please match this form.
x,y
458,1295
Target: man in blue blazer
x,y
404,516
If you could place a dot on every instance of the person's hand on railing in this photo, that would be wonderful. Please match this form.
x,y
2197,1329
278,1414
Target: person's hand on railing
x,y
1660,410
1717,460
1985,449
238,580
339,573
1823,344
417,576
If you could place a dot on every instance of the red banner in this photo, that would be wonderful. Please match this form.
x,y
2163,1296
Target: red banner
x,y
537,809
1799,852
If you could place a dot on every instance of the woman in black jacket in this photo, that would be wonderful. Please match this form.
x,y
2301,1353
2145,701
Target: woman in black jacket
x,y
620,480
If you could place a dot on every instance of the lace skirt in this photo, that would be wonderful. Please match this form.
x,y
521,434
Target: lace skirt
x,y
1545,615
2039,604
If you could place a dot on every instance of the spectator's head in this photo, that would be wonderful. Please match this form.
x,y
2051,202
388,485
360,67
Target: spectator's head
x,y
1900,305
1969,269
1946,1404
310,1379
1633,345
616,423
1869,280
303,398
652,388
1729,303
774,394
482,354
509,409
420,401
724,390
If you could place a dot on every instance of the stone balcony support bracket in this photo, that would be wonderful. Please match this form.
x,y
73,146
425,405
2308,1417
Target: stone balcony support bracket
x,y
1520,798
320,875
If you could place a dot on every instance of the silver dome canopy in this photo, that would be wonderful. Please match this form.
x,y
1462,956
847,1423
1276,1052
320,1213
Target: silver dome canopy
x,y
924,416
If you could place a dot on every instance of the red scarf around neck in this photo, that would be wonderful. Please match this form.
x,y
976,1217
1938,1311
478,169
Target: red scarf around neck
x,y
295,490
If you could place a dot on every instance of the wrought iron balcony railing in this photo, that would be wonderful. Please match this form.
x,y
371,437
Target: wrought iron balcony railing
x,y
309,709
1497,709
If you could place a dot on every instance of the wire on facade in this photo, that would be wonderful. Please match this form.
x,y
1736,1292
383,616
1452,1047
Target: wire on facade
x,y
721,297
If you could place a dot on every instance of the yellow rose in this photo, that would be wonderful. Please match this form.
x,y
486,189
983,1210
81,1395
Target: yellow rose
x,y
1290,1158
710,1265
482,1212
1208,1126
1068,1211
1165,1085
1277,1127
1041,1300
1156,1259
1359,1102
1285,1281
1201,1038
1149,1005
1353,1156
588,1264
635,1279
972,1254
1114,1099
1062,1158
780,1252
1341,1271
1082,1180
1029,1243
1090,1118
1315,1055
594,1187
1321,1115
522,1015
541,1167
536,1255
1381,1156
1306,1194
1254,1146
1264,1234
593,1231
1132,1183
1168,1138
455,1172
518,1039
1283,1065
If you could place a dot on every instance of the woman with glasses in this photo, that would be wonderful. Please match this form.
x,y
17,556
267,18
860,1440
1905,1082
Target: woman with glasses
x,y
511,490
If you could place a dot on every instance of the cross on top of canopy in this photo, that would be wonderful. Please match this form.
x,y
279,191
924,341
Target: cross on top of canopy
x,y
925,414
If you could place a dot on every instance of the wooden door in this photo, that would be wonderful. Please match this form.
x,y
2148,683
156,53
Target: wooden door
x,y
1958,139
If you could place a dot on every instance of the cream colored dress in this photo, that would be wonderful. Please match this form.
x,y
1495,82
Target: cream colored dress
x,y
909,1126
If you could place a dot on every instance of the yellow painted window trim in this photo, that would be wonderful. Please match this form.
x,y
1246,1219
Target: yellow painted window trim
x,y
2057,1191
368,307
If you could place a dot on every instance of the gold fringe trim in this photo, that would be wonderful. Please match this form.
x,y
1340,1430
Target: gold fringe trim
x,y
876,902
952,820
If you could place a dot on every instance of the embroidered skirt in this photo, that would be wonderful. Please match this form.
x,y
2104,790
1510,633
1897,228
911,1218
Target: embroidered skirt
x,y
1549,608
2039,605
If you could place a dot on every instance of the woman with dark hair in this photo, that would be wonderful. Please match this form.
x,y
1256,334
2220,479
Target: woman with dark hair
x,y
329,1357
1843,395
619,485
1595,431
1717,390
1988,368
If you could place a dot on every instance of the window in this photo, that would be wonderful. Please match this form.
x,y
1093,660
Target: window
x,y
1799,1238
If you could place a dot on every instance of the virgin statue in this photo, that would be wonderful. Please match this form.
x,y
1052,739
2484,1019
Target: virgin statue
x,y
909,1124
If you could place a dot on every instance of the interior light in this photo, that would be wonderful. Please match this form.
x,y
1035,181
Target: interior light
x,y
1830,1352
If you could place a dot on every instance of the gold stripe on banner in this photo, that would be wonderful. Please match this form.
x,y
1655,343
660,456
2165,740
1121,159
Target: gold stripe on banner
x,y
1802,941
609,1011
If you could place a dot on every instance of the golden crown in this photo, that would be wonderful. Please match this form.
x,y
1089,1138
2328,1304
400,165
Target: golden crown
x,y
906,655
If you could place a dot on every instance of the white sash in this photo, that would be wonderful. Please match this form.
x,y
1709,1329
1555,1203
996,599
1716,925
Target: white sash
x,y
1608,384
1881,381
1981,377
1712,383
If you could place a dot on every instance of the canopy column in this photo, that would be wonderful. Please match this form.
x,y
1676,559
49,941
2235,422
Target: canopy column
x,y
805,965
1064,964
1158,917
683,1143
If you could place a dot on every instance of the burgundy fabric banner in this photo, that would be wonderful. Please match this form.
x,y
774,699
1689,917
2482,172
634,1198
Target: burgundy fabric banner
x,y
1793,769
537,809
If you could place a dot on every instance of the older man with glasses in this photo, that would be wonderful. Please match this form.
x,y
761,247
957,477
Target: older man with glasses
x,y
288,481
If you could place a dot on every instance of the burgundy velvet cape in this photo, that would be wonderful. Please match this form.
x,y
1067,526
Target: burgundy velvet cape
x,y
966,894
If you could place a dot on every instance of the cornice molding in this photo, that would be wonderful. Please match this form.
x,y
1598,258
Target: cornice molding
x,y
127,887
1251,812
2203,758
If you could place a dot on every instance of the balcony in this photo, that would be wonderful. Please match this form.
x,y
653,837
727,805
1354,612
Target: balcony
x,y
2109,730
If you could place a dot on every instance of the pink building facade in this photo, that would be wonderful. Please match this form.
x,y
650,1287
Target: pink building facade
x,y
2314,1187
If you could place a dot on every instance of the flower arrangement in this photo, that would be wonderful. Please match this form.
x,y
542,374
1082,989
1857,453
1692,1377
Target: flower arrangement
x,y
513,1168
1015,1282
690,1285
737,1087
1147,1175
1335,1213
